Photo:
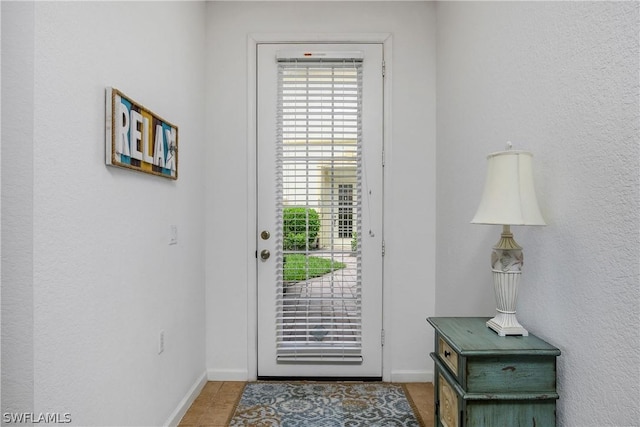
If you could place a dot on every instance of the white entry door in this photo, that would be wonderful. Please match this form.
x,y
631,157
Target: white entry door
x,y
319,228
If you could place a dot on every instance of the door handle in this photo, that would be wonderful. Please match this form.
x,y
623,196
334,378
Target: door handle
x,y
265,254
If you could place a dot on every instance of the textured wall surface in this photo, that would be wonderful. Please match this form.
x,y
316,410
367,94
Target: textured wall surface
x,y
561,80
105,281
410,169
17,207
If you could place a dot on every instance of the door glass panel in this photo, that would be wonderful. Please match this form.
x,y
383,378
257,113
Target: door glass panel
x,y
318,204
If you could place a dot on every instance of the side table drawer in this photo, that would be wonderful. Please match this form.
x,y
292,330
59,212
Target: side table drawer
x,y
510,374
448,396
448,355
448,403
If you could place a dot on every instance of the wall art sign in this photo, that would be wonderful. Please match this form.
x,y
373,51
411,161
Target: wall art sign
x,y
138,139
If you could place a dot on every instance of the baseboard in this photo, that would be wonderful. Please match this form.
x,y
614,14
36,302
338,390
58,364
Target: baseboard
x,y
227,375
185,403
321,379
412,376
396,376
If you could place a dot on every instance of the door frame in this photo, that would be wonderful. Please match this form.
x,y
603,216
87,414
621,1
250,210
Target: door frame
x,y
253,41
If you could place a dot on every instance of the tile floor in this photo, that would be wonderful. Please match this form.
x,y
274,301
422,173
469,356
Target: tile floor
x,y
215,404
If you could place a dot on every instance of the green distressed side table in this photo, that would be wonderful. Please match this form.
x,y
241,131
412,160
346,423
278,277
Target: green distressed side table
x,y
485,380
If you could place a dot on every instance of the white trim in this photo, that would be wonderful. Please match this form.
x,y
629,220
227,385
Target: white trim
x,y
223,1
412,377
228,375
320,38
295,55
387,295
187,400
252,304
252,215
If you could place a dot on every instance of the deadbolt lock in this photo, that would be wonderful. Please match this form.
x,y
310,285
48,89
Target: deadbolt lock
x,y
265,235
265,254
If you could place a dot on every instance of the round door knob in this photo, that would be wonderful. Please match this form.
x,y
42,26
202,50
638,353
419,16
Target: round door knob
x,y
265,254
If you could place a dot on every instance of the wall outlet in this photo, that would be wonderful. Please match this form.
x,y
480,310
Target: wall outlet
x,y
173,234
161,342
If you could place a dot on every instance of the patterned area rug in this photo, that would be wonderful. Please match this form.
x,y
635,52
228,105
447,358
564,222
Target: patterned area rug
x,y
267,404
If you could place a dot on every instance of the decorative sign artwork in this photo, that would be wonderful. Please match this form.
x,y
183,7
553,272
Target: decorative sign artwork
x,y
138,139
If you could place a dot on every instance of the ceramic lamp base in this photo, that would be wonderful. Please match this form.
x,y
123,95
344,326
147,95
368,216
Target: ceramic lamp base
x,y
507,324
506,263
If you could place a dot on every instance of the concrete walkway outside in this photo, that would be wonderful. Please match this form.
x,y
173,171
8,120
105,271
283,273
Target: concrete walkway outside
x,y
325,308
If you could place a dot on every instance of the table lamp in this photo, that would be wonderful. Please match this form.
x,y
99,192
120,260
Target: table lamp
x,y
509,198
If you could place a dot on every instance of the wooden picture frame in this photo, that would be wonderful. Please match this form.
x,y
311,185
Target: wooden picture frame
x,y
138,139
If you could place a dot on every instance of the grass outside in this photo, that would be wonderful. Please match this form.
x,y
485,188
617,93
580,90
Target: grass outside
x,y
299,267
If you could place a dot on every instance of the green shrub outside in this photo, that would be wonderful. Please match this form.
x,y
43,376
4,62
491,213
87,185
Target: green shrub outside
x,y
300,227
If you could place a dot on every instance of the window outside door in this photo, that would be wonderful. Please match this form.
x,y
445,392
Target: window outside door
x,y
345,211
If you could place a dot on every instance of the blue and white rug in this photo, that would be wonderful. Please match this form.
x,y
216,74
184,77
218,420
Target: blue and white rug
x,y
268,404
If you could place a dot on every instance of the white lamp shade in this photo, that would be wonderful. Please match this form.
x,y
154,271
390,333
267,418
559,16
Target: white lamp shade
x,y
509,196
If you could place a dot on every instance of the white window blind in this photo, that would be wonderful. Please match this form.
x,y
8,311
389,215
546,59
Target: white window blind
x,y
319,174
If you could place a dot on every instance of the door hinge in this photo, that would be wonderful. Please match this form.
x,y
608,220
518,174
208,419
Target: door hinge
x,y
384,68
384,248
382,337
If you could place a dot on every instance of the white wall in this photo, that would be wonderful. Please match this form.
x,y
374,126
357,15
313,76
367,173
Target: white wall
x,y
559,79
0,210
17,206
101,276
410,173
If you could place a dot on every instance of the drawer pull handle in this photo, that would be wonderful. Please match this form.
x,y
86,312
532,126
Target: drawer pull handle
x,y
447,353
